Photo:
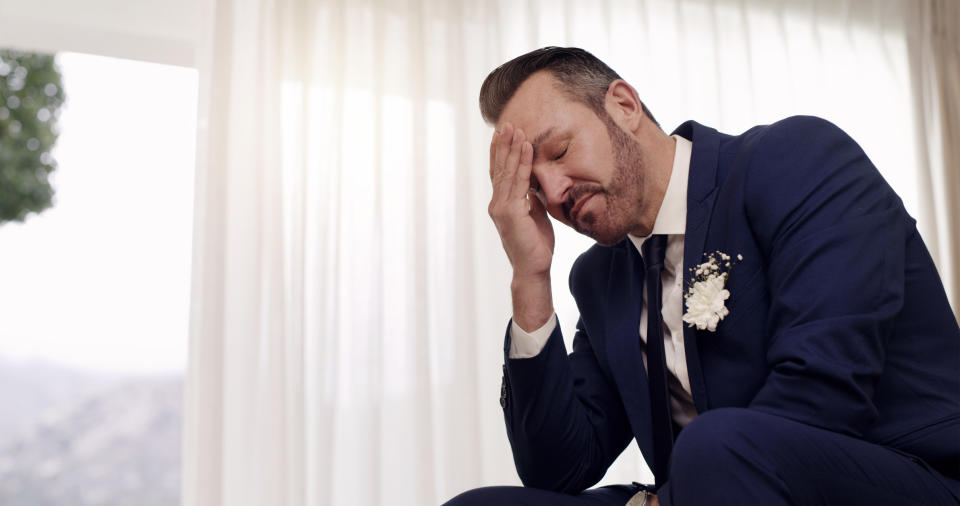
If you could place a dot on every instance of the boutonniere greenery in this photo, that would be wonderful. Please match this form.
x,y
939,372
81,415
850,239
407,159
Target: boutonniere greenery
x,y
706,296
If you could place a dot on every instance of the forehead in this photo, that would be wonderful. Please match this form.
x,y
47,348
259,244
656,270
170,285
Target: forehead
x,y
539,103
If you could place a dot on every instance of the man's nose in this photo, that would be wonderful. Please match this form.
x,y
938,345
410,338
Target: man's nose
x,y
553,186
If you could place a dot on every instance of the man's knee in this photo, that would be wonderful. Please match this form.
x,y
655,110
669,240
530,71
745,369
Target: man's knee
x,y
720,454
502,495
476,496
714,440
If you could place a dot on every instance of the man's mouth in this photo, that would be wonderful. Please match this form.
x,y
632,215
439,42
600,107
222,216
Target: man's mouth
x,y
574,214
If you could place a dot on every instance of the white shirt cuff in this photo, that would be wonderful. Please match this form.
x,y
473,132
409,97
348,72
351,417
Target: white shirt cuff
x,y
525,344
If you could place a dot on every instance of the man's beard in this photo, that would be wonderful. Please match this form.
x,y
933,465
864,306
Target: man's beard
x,y
622,197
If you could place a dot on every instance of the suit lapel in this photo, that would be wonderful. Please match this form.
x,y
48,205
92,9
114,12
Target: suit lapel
x,y
701,193
624,298
625,293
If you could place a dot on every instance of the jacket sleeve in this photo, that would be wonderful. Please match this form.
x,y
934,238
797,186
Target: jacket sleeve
x,y
833,234
564,418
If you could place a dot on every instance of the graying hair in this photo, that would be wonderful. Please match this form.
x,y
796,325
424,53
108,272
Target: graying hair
x,y
581,75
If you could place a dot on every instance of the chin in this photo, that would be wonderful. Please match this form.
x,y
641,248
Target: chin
x,y
608,228
609,240
604,237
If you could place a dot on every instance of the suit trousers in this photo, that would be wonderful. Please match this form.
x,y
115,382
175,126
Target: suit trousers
x,y
740,456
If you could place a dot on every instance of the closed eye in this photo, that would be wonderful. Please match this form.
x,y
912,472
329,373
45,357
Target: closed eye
x,y
560,155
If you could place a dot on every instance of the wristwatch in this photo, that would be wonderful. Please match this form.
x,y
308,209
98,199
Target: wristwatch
x,y
643,495
641,498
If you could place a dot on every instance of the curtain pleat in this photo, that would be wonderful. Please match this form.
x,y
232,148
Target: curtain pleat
x,y
935,75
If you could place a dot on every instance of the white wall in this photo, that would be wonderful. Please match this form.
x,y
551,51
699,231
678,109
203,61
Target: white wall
x,y
152,30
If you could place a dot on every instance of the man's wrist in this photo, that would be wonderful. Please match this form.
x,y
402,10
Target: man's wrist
x,y
521,281
532,301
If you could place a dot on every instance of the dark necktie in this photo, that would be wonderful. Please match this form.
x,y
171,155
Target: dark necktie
x,y
654,250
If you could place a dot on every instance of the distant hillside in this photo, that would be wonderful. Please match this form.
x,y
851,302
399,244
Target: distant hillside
x,y
118,446
32,389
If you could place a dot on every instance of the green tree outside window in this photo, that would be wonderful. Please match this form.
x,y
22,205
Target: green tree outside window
x,y
31,94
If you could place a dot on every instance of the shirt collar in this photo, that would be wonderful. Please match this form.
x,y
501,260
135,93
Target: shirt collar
x,y
672,216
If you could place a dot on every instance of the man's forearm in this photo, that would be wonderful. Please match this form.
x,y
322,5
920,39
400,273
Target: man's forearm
x,y
532,301
562,439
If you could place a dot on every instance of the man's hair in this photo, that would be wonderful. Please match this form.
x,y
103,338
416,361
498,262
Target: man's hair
x,y
580,75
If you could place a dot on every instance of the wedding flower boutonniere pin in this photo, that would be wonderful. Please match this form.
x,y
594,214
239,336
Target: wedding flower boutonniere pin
x,y
706,296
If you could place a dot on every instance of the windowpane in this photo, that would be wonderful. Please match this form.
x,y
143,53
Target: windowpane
x,y
94,295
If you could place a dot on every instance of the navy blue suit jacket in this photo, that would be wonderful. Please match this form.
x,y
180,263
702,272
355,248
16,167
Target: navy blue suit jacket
x,y
838,318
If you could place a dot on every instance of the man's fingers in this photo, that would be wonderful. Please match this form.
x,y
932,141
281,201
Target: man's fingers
x,y
513,161
502,150
521,181
501,176
511,168
493,151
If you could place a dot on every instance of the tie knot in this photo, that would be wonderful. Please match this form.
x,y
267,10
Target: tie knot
x,y
654,250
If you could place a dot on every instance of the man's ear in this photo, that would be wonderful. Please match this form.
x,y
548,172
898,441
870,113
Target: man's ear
x,y
623,105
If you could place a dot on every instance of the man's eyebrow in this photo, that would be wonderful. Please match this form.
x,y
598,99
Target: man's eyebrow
x,y
540,138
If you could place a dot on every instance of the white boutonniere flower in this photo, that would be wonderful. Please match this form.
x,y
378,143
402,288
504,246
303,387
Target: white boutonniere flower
x,y
706,296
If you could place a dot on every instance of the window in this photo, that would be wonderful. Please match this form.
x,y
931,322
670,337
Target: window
x,y
94,295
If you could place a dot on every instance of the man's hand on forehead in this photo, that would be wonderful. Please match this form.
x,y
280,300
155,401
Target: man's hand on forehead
x,y
522,222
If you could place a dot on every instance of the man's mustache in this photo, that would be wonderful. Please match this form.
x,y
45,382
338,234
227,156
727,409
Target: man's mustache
x,y
577,193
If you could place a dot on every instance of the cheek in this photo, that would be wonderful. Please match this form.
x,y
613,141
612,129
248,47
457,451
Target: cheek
x,y
591,165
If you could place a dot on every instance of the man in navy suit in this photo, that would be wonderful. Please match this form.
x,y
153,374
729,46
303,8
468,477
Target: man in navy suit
x,y
760,313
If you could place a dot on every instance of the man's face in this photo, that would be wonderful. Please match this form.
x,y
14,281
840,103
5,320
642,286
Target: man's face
x,y
586,170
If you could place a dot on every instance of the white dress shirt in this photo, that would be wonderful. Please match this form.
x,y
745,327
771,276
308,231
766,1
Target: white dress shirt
x,y
671,221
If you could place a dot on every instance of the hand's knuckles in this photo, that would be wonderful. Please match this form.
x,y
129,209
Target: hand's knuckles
x,y
506,210
498,211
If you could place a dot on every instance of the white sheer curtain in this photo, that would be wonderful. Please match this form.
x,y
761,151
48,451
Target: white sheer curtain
x,y
935,62
350,295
